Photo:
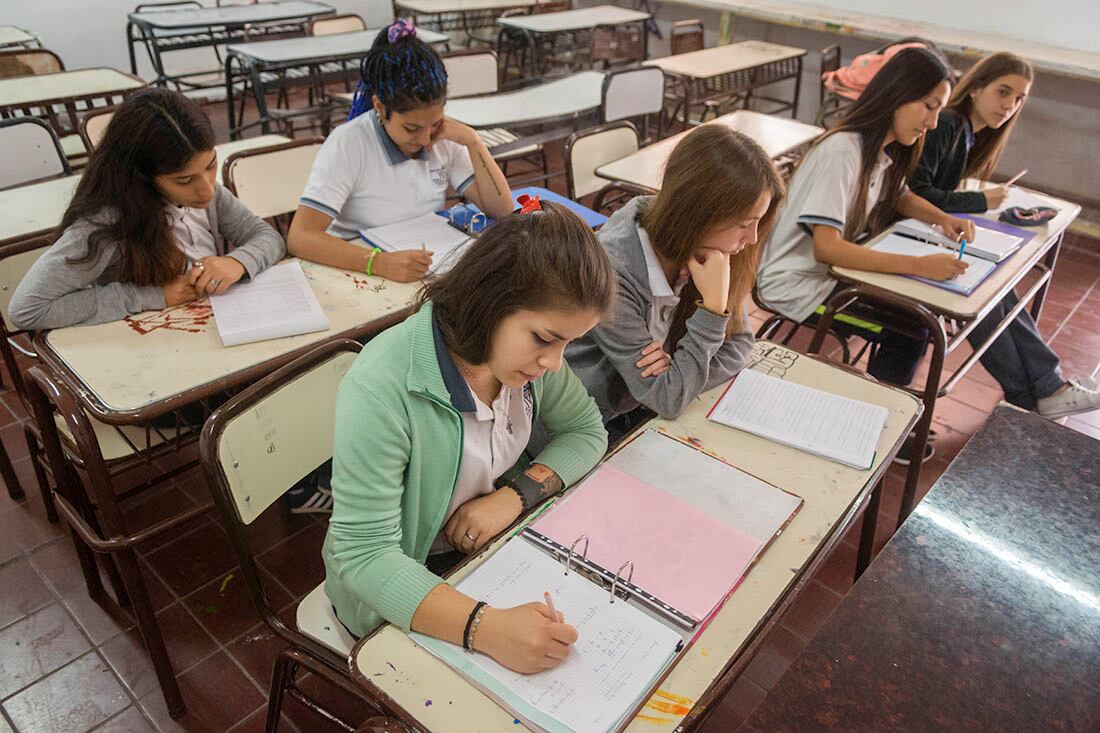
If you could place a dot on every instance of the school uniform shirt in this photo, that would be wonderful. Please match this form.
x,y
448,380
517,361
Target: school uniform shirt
x,y
362,179
941,166
790,280
493,439
665,298
191,230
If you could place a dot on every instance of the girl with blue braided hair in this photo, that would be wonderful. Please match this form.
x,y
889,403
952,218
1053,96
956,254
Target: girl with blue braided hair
x,y
396,159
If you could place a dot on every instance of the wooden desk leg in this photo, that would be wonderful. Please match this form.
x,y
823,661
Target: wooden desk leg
x,y
867,531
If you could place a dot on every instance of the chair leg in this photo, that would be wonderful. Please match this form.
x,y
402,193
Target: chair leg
x,y
7,471
280,674
40,474
867,532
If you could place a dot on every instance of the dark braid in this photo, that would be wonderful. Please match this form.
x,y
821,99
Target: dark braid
x,y
401,70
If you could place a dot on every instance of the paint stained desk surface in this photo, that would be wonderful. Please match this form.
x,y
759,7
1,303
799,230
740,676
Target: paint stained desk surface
x,y
983,611
441,700
151,357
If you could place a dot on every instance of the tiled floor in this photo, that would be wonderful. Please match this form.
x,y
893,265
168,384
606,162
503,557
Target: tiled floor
x,y
66,665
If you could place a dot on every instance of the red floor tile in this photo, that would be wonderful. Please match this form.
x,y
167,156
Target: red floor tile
x,y
838,570
255,651
811,609
36,646
224,606
774,657
23,592
76,698
99,624
193,559
26,523
58,565
129,720
217,693
296,562
735,707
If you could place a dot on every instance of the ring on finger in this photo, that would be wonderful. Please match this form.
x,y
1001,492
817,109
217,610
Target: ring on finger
x,y
215,284
470,537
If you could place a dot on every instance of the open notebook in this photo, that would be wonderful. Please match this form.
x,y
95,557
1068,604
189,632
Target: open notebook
x,y
276,303
828,425
690,530
430,231
976,272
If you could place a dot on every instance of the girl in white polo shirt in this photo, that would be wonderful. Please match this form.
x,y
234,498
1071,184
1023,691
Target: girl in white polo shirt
x,y
395,160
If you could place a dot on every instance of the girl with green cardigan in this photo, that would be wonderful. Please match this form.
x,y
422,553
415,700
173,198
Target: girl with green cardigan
x,y
437,409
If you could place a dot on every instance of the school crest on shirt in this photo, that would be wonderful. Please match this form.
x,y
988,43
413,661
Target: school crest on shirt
x,y
439,177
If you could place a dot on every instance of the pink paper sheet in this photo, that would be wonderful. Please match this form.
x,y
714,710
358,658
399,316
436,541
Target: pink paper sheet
x,y
681,555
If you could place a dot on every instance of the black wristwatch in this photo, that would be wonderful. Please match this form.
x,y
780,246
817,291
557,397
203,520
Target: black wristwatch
x,y
530,491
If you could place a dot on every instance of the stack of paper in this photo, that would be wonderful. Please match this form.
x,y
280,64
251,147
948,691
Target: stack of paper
x,y
276,303
827,425
976,272
430,231
989,244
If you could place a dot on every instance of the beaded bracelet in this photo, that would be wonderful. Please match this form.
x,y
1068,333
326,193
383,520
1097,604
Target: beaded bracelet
x,y
370,260
471,625
699,304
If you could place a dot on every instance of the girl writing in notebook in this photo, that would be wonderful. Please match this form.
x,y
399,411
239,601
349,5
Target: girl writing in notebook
x,y
148,226
437,409
395,160
685,261
972,132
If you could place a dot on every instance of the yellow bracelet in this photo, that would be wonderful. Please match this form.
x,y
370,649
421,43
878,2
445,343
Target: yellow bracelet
x,y
370,260
699,304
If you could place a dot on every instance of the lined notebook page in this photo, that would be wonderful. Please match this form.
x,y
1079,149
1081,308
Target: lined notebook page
x,y
976,272
828,425
276,303
988,244
618,656
429,231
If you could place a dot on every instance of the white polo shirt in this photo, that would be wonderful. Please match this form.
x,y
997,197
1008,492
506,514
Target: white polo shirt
x,y
362,179
790,280
664,299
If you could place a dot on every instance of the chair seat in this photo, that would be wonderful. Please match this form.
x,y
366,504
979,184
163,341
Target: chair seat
x,y
73,146
317,620
499,136
111,443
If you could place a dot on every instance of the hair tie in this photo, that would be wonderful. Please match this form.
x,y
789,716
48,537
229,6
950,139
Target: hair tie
x,y
399,29
528,204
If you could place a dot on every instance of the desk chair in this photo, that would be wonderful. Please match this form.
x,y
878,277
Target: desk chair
x,y
687,36
270,180
29,61
329,24
614,46
830,104
470,73
587,150
31,152
94,125
635,93
200,79
249,468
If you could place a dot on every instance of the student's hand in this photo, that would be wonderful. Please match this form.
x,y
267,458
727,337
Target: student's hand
x,y
455,131
995,196
957,228
525,638
710,271
405,266
654,361
213,275
940,267
479,520
179,291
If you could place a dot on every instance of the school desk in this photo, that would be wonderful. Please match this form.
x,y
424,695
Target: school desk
x,y
163,30
464,16
542,27
930,306
62,97
426,694
778,137
981,614
34,210
315,60
12,37
733,73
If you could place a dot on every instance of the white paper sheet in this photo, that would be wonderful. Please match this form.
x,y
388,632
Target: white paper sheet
x,y
988,244
828,425
430,231
276,303
976,272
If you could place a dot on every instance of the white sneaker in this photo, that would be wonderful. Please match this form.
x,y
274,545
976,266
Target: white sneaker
x,y
1078,397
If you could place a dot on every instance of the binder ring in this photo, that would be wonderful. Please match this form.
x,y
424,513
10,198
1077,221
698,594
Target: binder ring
x,y
618,574
572,547
477,218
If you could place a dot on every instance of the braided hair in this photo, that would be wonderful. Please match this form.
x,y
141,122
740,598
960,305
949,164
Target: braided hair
x,y
404,72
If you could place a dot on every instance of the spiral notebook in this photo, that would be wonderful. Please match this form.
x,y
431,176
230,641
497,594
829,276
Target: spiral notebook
x,y
276,303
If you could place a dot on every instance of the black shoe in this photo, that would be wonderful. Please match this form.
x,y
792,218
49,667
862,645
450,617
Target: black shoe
x,y
905,455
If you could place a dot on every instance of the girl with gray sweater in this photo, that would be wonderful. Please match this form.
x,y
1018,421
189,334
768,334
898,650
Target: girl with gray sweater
x,y
686,259
148,225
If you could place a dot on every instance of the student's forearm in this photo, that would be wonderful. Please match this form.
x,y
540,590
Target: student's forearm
x,y
916,207
832,249
491,191
443,614
319,246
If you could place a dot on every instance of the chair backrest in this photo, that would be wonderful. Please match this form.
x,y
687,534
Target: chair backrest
x,y
470,73
633,93
270,180
29,61
686,36
618,44
587,150
94,125
554,6
31,151
15,261
347,23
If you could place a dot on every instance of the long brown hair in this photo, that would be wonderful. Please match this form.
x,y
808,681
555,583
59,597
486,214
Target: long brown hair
x,y
154,132
541,260
909,75
714,176
988,143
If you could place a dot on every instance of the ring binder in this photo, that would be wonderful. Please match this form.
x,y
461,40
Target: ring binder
x,y
618,574
572,547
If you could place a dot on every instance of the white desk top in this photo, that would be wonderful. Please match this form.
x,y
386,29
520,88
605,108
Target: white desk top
x,y
330,47
574,20
441,700
945,301
720,60
435,7
1065,61
11,35
176,350
561,98
230,15
26,90
38,207
777,135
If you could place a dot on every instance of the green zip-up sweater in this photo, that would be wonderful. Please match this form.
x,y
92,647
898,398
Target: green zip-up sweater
x,y
398,443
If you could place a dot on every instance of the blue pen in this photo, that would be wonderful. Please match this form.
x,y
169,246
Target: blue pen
x,y
962,248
